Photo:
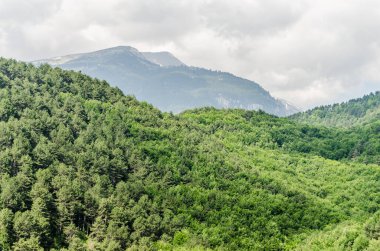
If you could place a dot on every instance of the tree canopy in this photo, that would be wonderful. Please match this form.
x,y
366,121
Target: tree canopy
x,y
83,167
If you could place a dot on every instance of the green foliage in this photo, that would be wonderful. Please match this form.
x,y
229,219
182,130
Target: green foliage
x,y
266,131
372,227
6,231
31,244
349,235
356,112
83,167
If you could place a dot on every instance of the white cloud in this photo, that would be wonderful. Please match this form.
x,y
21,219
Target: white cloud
x,y
308,52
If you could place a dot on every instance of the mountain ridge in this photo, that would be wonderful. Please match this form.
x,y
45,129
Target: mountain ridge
x,y
168,83
354,112
163,58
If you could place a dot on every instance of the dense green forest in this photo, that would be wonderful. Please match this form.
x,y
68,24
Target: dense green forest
x,y
356,112
360,144
83,167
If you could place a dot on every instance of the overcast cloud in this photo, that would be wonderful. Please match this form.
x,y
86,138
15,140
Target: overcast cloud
x,y
307,52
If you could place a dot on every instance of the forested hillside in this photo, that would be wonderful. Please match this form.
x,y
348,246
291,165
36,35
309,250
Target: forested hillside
x,y
83,167
356,112
360,144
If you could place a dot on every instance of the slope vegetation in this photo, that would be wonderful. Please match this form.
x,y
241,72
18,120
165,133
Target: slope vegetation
x,y
356,112
83,167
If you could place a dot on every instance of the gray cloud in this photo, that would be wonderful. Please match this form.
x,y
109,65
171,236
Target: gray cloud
x,y
308,52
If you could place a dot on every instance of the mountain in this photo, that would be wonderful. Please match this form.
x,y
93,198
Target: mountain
x,y
84,167
162,58
164,81
356,112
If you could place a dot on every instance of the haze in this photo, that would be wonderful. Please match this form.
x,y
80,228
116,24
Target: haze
x,y
307,52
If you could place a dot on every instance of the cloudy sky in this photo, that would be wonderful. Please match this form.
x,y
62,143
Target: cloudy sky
x,y
305,51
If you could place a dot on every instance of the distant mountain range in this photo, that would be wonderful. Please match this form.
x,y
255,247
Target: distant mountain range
x,y
355,112
164,81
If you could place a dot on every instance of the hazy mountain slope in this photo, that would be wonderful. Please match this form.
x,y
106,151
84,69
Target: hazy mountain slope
x,y
84,167
163,58
355,112
165,82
